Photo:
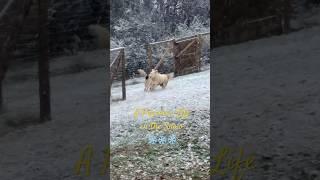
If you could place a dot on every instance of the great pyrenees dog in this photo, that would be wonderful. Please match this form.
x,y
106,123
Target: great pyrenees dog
x,y
154,79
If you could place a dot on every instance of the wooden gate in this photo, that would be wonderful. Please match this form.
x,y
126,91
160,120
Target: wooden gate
x,y
239,22
118,66
187,56
14,16
186,53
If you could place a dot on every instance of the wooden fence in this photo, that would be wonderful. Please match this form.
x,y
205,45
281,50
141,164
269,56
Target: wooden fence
x,y
186,53
238,21
13,18
118,63
250,30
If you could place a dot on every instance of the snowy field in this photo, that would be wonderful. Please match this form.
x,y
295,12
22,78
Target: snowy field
x,y
267,97
267,101
49,151
132,155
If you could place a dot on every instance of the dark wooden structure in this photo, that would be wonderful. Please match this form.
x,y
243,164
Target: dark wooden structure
x,y
186,53
43,62
250,30
237,21
14,17
187,56
118,66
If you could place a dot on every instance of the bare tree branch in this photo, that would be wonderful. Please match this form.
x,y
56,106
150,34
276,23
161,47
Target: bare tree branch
x,y
159,63
5,9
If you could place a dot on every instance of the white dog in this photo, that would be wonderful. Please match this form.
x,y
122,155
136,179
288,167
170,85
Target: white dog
x,y
154,79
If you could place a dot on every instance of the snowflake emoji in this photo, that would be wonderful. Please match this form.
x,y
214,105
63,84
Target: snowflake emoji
x,y
152,139
172,139
162,140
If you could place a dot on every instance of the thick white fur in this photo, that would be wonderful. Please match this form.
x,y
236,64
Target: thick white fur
x,y
142,72
155,79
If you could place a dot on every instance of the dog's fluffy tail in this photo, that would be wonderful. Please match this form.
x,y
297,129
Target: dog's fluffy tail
x,y
142,72
170,75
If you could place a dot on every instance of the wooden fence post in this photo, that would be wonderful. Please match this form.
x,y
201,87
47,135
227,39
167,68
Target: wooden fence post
x,y
287,15
149,54
198,52
1,97
108,81
174,52
43,62
3,61
123,75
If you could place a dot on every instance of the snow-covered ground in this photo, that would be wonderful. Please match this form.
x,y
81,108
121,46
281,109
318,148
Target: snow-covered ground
x,y
267,97
189,157
181,92
34,151
50,150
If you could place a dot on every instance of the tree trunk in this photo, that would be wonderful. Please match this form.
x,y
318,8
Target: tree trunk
x,y
43,64
1,96
287,9
3,69
1,78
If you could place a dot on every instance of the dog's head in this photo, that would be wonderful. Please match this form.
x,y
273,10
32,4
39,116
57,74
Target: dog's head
x,y
153,73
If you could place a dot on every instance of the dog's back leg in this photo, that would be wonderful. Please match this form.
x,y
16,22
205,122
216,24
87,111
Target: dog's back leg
x,y
164,84
152,87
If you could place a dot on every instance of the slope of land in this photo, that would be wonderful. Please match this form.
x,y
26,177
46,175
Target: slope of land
x,y
134,157
267,96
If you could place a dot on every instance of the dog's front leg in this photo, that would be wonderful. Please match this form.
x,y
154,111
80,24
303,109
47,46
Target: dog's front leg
x,y
153,86
147,87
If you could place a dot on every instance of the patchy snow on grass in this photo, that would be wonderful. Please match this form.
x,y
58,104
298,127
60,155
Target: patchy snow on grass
x,y
189,158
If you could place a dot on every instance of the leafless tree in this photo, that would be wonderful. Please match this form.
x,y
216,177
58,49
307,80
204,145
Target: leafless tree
x,y
14,21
